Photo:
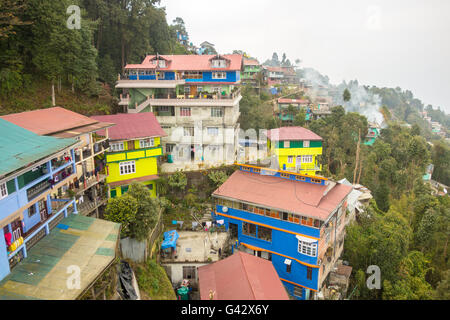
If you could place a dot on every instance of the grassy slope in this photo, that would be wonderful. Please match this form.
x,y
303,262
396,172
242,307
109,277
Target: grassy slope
x,y
38,95
153,282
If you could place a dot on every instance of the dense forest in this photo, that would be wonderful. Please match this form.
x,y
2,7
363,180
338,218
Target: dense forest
x,y
38,49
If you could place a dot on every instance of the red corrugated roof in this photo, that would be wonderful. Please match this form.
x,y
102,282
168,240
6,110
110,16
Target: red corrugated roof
x,y
132,126
296,101
190,63
251,62
299,197
292,134
241,277
48,121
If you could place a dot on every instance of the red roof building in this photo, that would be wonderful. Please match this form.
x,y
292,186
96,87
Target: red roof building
x,y
189,63
305,199
241,277
55,121
132,126
292,134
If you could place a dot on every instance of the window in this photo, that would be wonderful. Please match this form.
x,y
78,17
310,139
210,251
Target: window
x,y
162,63
169,148
128,167
187,90
216,112
287,144
219,75
298,291
307,159
149,186
217,90
306,248
119,146
290,159
306,144
249,229
284,216
193,75
147,143
309,273
213,131
264,233
3,191
188,131
219,63
189,273
31,211
288,267
185,112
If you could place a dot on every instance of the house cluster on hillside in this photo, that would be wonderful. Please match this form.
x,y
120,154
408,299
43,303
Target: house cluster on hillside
x,y
435,126
283,224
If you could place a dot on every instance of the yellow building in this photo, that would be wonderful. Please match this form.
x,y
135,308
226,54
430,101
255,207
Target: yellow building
x,y
295,149
135,146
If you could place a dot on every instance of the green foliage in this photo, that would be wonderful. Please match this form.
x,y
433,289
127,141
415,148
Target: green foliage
x,y
177,181
153,282
137,211
346,95
217,178
122,210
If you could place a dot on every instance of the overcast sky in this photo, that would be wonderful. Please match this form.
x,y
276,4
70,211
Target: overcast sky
x,y
403,43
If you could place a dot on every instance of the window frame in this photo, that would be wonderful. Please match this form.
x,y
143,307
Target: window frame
x,y
307,248
143,143
219,75
185,112
120,144
188,130
208,130
216,112
3,190
129,167
306,144
307,159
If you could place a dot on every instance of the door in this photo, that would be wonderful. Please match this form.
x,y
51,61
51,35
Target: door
x,y
194,90
233,230
299,163
130,145
17,231
42,206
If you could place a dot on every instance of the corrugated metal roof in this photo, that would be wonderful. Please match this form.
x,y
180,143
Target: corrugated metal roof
x,y
241,277
189,63
299,197
20,147
50,120
292,134
132,126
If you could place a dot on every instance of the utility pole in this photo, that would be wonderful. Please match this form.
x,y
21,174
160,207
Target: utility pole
x,y
357,156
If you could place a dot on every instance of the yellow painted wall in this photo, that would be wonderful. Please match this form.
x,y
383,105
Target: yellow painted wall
x,y
283,154
144,167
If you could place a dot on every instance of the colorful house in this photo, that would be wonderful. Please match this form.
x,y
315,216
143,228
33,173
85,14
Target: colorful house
x,y
253,279
283,108
295,221
252,69
135,146
34,171
373,134
195,99
295,149
88,184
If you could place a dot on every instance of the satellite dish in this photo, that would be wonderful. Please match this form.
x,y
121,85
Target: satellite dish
x,y
225,209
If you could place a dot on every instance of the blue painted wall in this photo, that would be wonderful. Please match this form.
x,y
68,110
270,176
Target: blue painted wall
x,y
31,222
4,263
282,242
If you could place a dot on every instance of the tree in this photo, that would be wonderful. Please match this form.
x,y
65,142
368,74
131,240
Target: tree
x,y
300,118
443,289
177,181
217,178
137,211
347,96
122,210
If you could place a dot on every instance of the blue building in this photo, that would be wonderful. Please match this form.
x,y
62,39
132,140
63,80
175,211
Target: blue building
x,y
34,173
294,220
